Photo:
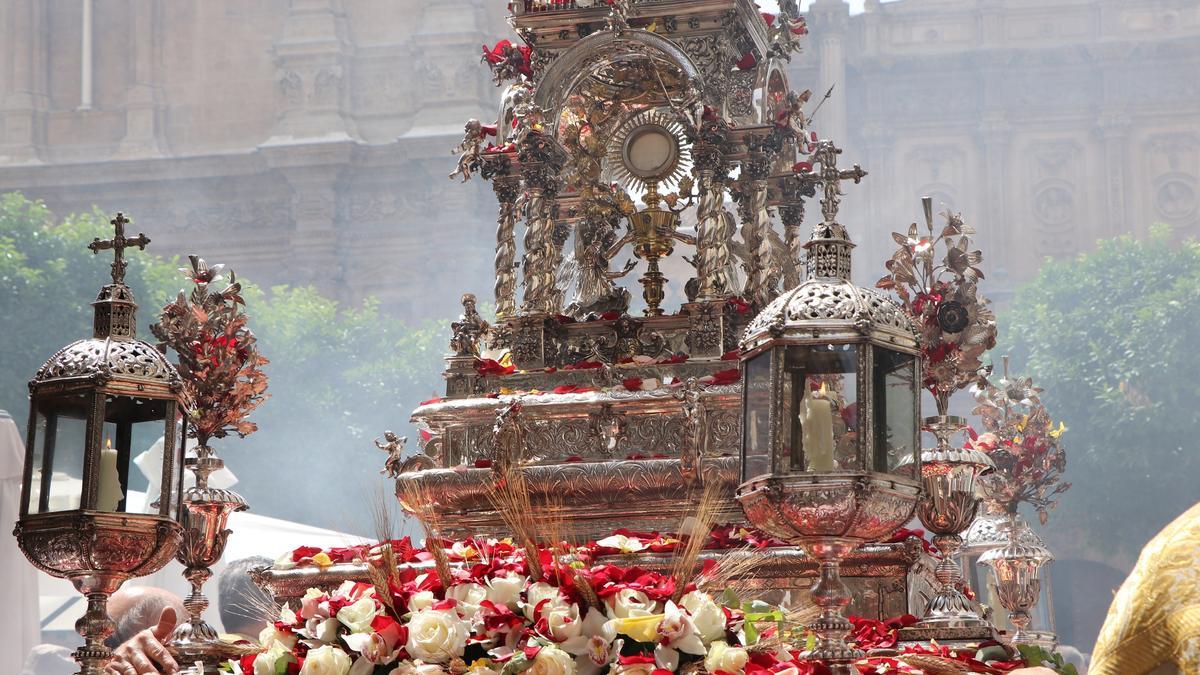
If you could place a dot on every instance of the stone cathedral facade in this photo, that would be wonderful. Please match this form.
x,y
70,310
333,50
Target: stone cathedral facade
x,y
309,140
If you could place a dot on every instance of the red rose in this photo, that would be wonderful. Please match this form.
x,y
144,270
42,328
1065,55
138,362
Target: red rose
x,y
723,377
632,383
487,367
303,552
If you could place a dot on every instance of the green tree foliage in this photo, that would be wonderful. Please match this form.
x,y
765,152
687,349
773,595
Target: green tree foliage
x,y
339,376
1112,335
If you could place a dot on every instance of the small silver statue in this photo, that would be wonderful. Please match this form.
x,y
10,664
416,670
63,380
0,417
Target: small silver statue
x,y
466,333
393,466
693,429
470,150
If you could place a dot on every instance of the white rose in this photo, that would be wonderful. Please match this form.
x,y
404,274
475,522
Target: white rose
x,y
271,636
312,604
358,616
552,661
421,600
707,616
564,623
417,668
539,592
506,590
284,562
326,660
627,603
437,636
723,657
322,630
264,663
468,597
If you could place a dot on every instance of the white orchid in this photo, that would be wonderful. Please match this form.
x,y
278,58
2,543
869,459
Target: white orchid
x,y
676,634
596,647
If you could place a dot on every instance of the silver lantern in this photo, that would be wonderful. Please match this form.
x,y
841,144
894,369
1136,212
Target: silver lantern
x,y
831,395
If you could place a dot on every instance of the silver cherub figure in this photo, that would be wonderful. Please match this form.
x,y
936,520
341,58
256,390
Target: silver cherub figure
x,y
394,447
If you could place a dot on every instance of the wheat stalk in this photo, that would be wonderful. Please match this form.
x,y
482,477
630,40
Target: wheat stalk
x,y
418,501
510,497
683,562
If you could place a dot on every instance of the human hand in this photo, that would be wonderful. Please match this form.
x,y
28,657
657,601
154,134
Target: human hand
x,y
145,653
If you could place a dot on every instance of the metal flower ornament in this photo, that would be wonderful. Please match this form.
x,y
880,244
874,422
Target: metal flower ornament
x,y
218,354
954,324
1025,444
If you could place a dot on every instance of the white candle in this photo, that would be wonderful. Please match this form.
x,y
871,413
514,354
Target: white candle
x,y
816,423
110,484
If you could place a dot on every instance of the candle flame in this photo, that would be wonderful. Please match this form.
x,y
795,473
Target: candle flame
x,y
824,390
108,443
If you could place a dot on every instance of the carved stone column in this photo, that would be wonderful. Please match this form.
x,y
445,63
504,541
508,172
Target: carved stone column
x,y
312,73
828,21
878,143
314,176
994,135
23,29
1114,127
144,106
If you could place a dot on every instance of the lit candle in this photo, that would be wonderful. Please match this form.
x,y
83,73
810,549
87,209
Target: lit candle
x,y
110,484
816,423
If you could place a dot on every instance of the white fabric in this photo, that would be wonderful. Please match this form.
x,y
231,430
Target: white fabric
x,y
150,464
19,630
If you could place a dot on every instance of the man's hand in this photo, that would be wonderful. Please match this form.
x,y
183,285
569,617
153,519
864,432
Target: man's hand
x,y
144,653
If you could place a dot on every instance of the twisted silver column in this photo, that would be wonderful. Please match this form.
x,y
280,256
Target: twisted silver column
x,y
506,188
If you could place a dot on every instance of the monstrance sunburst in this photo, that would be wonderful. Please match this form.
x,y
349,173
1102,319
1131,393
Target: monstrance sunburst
x,y
649,147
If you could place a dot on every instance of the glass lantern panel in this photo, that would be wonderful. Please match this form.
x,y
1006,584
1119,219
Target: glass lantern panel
x,y
983,582
756,445
131,454
820,408
61,437
896,432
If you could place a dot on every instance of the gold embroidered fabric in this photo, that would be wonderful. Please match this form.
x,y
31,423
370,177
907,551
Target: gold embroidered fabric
x,y
1154,620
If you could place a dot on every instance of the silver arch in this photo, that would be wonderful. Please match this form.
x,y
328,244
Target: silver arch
x,y
564,73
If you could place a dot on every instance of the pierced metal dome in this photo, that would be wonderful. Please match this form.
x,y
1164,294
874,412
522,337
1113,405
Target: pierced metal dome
x,y
108,358
831,303
987,533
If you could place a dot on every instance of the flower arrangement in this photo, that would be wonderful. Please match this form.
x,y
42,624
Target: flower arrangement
x,y
218,354
954,325
497,616
1025,444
